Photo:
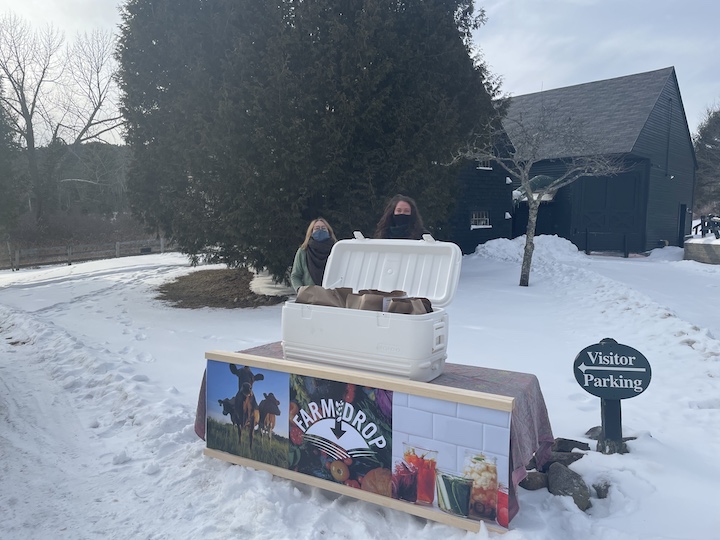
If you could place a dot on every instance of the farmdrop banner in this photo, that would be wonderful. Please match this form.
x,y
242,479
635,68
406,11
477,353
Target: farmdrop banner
x,y
434,451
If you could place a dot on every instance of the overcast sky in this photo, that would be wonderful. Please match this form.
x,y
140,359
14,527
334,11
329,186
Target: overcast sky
x,y
537,45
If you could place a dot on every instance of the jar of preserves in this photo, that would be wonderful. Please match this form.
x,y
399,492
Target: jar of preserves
x,y
483,496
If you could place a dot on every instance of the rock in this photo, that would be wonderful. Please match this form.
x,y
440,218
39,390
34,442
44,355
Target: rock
x,y
565,458
595,433
563,481
601,489
610,446
534,481
567,445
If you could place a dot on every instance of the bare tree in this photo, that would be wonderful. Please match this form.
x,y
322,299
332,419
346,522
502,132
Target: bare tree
x,y
91,107
707,151
55,97
521,140
30,67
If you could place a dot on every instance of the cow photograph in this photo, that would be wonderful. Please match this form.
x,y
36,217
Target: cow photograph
x,y
269,409
243,406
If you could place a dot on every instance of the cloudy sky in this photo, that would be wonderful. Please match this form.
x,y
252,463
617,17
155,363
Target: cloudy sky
x,y
556,43
536,45
71,16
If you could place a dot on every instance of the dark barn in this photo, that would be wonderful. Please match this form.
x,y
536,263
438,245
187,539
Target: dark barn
x,y
638,118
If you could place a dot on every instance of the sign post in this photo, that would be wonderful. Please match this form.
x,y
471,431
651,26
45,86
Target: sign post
x,y
612,371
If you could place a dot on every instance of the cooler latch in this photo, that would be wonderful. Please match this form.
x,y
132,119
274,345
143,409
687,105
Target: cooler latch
x,y
438,336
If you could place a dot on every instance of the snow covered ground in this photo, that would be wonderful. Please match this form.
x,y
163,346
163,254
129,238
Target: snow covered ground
x,y
99,383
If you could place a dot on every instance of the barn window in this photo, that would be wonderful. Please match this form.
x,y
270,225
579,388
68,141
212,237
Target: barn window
x,y
480,219
484,165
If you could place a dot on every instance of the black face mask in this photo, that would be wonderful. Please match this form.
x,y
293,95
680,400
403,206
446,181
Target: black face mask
x,y
402,220
400,226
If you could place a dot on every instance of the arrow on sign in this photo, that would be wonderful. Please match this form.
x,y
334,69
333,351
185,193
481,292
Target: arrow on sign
x,y
338,430
582,367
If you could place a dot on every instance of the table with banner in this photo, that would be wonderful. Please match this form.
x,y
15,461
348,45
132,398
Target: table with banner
x,y
452,450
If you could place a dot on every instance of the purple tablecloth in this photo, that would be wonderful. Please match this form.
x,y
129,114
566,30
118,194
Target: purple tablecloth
x,y
530,431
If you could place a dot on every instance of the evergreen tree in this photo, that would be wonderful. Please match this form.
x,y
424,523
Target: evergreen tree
x,y
9,180
707,151
158,62
249,118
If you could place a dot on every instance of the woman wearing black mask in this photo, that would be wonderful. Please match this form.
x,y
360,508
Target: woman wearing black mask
x,y
309,264
401,219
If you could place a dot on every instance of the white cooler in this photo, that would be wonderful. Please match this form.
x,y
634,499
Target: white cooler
x,y
408,346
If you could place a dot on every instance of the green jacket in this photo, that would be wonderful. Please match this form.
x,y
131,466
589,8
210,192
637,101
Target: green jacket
x,y
300,275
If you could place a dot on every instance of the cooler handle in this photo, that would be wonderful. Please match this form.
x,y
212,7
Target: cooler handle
x,y
438,336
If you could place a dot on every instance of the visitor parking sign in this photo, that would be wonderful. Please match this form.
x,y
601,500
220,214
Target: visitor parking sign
x,y
611,370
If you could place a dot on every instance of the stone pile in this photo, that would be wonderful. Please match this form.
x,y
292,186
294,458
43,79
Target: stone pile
x,y
556,476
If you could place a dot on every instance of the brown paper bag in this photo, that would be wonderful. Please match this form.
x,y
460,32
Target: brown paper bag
x,y
410,306
318,296
367,302
384,294
371,299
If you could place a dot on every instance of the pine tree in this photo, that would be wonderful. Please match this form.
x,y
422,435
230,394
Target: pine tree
x,y
249,118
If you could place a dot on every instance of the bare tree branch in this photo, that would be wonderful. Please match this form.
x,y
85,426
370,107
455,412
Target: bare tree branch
x,y
520,142
707,151
29,63
54,98
92,101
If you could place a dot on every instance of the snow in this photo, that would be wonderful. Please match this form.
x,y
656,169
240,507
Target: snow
x,y
99,383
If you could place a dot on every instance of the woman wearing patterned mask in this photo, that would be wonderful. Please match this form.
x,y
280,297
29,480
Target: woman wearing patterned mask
x,y
312,255
401,219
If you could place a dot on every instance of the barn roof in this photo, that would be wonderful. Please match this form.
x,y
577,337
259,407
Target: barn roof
x,y
611,113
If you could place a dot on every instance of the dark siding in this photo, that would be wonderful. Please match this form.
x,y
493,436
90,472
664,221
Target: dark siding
x,y
665,141
547,219
553,216
606,212
481,190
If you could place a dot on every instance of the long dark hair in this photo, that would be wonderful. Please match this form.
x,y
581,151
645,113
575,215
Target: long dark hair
x,y
416,228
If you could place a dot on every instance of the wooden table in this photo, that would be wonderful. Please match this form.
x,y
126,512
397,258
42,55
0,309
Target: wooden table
x,y
530,433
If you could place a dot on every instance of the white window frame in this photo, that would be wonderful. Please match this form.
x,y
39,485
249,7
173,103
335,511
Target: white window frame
x,y
480,219
484,166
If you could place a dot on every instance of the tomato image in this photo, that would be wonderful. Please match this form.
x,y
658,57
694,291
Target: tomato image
x,y
349,396
296,435
502,508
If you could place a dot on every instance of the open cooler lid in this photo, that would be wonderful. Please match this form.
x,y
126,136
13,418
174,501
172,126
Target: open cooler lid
x,y
425,268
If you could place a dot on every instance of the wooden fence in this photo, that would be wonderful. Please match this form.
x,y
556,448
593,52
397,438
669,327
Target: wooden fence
x,y
15,257
708,224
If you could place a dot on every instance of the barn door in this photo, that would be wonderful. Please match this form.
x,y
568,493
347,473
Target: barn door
x,y
682,223
609,213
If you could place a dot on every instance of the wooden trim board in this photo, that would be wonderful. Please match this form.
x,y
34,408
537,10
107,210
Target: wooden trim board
x,y
387,502
446,393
